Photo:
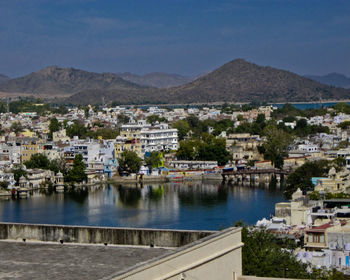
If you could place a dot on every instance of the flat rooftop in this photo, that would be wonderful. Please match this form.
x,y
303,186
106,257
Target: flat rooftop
x,y
29,260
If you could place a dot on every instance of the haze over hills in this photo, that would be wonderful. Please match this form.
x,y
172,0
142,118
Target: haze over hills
x,y
3,78
332,79
57,81
156,79
236,81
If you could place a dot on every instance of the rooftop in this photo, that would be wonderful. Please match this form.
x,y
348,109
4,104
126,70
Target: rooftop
x,y
66,261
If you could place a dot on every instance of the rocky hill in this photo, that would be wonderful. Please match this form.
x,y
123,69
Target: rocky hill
x,y
156,79
3,78
57,81
242,81
236,81
332,79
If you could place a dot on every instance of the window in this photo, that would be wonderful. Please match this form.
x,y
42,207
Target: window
x,y
316,238
310,238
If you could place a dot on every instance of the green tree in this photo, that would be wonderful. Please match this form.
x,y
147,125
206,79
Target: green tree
x,y
123,119
302,128
276,144
301,177
58,165
344,125
38,161
214,149
208,148
342,107
155,118
4,185
53,126
188,150
154,160
18,172
16,127
265,256
289,119
77,173
77,129
182,127
107,133
129,162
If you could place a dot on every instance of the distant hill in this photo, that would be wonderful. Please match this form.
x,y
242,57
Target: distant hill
x,y
3,78
242,81
57,81
332,79
236,81
156,79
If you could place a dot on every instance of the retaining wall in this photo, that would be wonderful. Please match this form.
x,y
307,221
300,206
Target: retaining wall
x,y
98,235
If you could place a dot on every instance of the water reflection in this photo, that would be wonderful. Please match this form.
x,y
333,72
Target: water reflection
x,y
129,196
193,205
203,195
78,195
155,193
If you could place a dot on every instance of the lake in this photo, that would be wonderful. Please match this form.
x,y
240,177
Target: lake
x,y
193,205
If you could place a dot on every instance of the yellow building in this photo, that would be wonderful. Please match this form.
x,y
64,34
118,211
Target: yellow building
x,y
28,149
129,140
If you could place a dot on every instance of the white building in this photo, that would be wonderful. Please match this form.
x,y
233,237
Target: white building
x,y
159,138
152,138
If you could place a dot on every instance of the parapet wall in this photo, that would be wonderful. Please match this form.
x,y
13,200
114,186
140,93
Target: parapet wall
x,y
100,235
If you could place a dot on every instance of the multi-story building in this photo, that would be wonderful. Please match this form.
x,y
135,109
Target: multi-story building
x,y
159,138
243,146
88,150
144,138
10,153
29,147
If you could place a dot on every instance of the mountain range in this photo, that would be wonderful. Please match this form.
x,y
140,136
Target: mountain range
x,y
236,81
3,78
332,79
58,81
156,79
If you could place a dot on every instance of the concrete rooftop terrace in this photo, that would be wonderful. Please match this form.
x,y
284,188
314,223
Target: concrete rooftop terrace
x,y
30,260
37,251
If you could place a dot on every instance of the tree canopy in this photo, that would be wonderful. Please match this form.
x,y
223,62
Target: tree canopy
x,y
207,148
154,159
18,172
276,144
301,177
129,162
155,118
53,126
264,255
77,173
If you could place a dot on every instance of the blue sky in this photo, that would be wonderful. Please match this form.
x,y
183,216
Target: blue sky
x,y
187,37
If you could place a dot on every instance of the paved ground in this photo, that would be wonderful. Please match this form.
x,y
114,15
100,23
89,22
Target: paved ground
x,y
51,261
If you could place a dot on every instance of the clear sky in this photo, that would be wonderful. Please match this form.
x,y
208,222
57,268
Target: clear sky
x,y
187,37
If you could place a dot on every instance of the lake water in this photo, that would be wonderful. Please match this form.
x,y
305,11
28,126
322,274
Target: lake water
x,y
196,205
304,106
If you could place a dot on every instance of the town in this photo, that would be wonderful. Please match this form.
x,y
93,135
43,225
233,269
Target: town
x,y
303,152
